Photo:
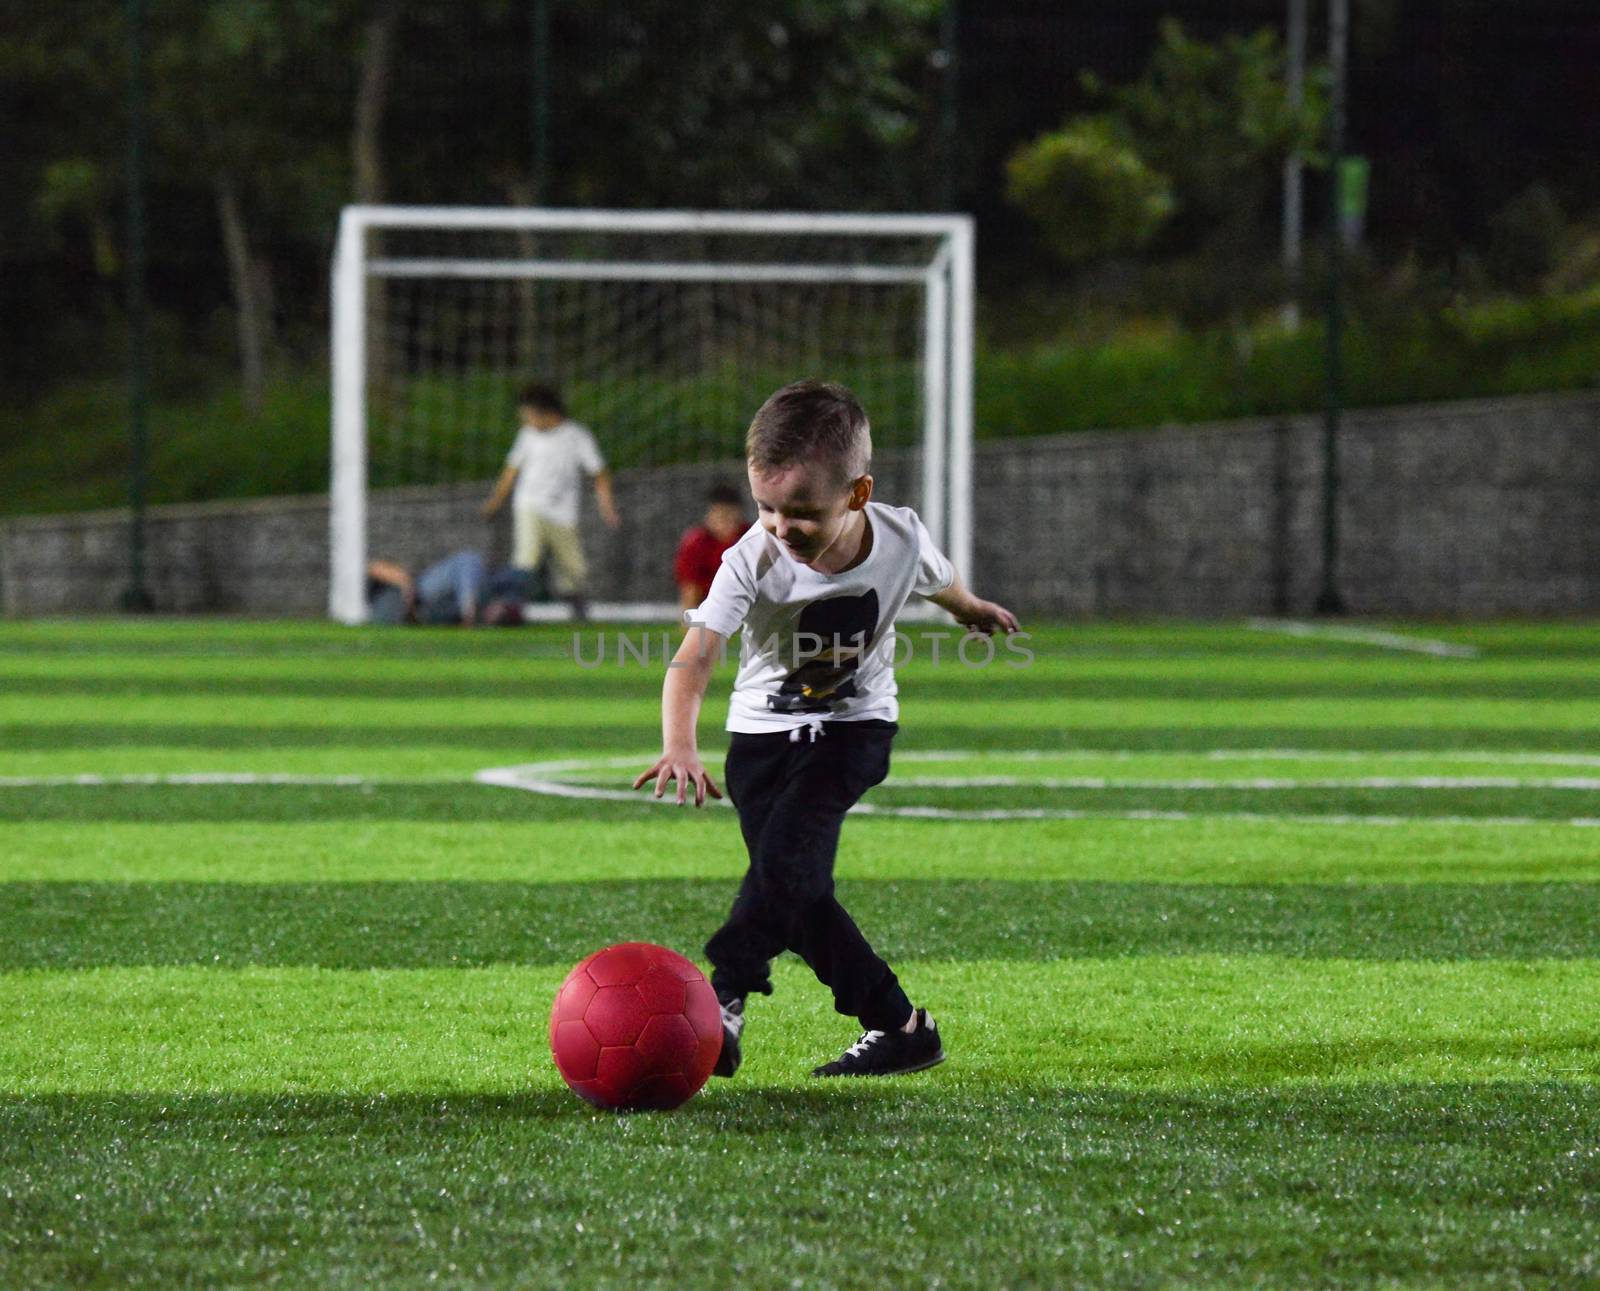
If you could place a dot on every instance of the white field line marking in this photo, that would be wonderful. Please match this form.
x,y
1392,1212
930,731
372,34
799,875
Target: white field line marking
x,y
1511,758
1366,636
192,778
1046,813
539,777
1585,783
216,778
1395,755
1507,758
1370,782
983,781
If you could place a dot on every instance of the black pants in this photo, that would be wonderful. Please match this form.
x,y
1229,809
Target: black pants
x,y
792,795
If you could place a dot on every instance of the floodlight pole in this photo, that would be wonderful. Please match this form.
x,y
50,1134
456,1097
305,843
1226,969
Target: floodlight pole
x,y
949,105
1329,600
1294,164
136,596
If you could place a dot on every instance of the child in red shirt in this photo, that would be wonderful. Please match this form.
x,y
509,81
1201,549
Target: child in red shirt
x,y
700,549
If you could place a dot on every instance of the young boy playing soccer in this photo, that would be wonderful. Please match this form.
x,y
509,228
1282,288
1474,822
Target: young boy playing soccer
x,y
816,586
547,461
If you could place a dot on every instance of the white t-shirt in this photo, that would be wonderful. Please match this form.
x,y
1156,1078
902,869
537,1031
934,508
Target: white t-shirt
x,y
819,645
550,466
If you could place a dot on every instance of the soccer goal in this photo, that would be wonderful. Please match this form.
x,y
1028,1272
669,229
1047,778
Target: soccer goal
x,y
664,331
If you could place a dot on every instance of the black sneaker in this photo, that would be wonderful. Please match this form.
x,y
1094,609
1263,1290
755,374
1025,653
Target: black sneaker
x,y
732,1024
889,1053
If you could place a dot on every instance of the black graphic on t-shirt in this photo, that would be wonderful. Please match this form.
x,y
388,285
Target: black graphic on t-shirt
x,y
845,626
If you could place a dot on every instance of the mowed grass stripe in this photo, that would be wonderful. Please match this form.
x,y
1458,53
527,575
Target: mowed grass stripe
x,y
654,842
415,925
1197,662
1156,1022
569,705
1135,639
620,655
1525,801
1457,1185
467,801
541,735
457,678
912,758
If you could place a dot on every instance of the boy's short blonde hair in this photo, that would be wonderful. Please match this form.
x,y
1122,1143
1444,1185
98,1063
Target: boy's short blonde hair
x,y
809,421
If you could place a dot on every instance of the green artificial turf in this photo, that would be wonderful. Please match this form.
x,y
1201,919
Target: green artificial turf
x,y
409,924
1292,976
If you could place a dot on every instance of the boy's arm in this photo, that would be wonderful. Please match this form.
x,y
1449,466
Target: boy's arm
x,y
606,499
386,571
502,487
975,613
681,694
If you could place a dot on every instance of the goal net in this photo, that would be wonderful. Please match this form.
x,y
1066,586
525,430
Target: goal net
x,y
663,332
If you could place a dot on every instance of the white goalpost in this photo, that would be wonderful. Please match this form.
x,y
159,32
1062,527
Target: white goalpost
x,y
664,330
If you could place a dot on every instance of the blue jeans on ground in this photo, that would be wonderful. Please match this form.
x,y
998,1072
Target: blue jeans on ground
x,y
447,592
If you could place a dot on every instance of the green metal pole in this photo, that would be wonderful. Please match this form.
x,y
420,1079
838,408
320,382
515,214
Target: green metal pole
x,y
1329,599
136,597
1294,163
949,105
539,107
540,354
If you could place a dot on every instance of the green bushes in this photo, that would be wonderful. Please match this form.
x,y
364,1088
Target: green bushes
x,y
69,452
1509,347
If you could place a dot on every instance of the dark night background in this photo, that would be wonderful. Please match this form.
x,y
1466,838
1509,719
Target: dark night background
x,y
1460,104
1462,107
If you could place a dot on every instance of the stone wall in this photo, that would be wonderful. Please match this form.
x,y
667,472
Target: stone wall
x,y
1470,509
1467,509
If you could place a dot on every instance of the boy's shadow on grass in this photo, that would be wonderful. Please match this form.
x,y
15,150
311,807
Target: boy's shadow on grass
x,y
722,1107
39,1127
741,1108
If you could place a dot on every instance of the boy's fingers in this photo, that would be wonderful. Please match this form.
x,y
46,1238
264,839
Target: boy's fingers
x,y
711,788
661,780
683,783
643,776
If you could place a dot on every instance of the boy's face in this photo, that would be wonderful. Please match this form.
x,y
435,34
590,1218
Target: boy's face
x,y
539,418
724,519
804,506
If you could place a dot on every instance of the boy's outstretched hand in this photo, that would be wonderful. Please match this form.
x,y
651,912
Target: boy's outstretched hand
x,y
973,612
987,617
686,769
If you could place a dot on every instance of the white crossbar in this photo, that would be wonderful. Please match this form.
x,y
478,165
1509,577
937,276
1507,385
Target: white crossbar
x,y
643,271
546,218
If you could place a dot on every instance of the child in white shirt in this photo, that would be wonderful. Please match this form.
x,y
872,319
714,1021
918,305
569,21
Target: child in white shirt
x,y
816,586
545,467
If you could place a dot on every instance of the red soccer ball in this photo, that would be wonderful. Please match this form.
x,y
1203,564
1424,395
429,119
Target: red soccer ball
x,y
636,1026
